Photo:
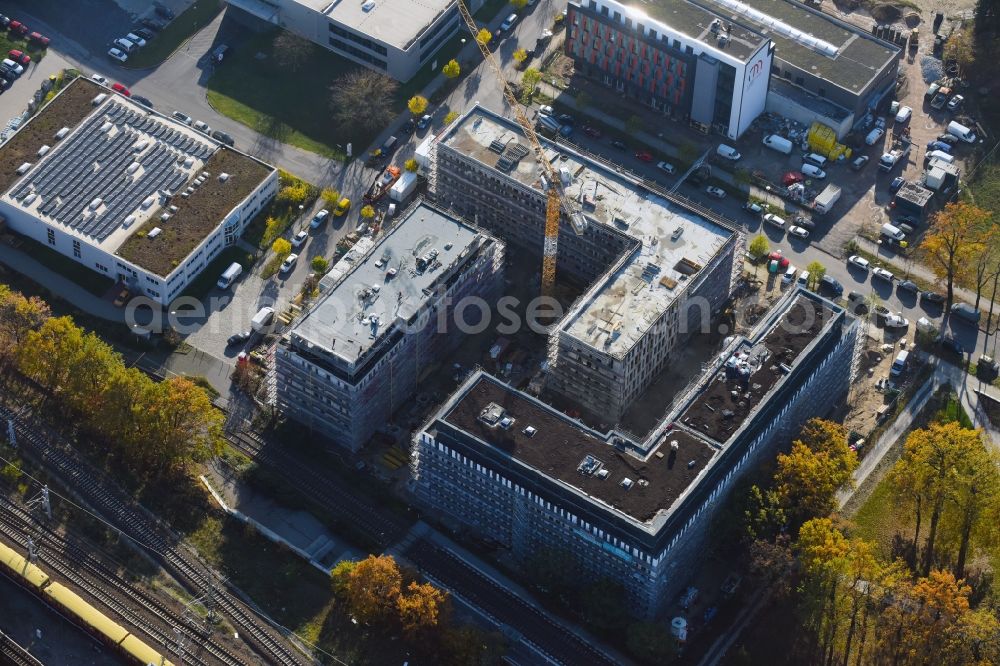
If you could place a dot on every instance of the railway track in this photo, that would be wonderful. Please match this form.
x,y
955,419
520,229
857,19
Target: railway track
x,y
119,510
82,568
11,652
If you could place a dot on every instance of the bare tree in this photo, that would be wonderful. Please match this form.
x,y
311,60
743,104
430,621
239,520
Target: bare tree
x,y
363,99
292,51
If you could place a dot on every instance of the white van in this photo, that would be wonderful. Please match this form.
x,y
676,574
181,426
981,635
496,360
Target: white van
x,y
817,159
728,152
779,143
962,132
813,171
938,155
262,319
789,276
899,365
893,232
804,278
229,276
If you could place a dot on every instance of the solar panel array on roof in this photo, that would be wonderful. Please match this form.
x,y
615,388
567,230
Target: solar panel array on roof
x,y
90,184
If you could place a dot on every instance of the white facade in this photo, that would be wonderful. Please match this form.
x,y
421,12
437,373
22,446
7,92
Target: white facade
x,y
103,260
396,37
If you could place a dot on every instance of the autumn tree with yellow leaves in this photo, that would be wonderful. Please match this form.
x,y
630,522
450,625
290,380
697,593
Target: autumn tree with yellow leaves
x,y
953,233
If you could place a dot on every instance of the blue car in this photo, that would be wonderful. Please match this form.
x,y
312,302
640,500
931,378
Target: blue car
x,y
897,183
938,145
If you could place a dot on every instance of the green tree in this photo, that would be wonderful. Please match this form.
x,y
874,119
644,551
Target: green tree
x,y
759,247
529,80
450,117
422,608
281,247
18,316
808,477
319,264
331,198
816,273
520,56
417,105
340,576
484,36
451,69
411,165
373,588
291,51
49,353
961,47
367,212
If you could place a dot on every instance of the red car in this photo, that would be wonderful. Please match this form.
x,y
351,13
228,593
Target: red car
x,y
119,88
781,259
18,27
39,39
20,57
791,178
644,156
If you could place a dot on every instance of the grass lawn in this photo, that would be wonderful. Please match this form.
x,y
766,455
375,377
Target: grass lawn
x,y
204,283
290,590
9,41
187,23
70,269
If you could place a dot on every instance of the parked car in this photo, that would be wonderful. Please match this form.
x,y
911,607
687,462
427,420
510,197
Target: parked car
x,y
813,171
183,117
716,192
931,297
859,262
97,78
299,239
782,260
792,177
831,285
4,21
644,156
753,208
566,119
319,219
119,88
620,145
905,228
222,137
40,39
803,221
966,312
949,343
125,45
774,220
547,110
939,145
143,100
896,321
13,66
118,55
932,90
342,207
896,183
508,22
202,126
904,114
885,274
424,121
955,102
17,28
145,33
135,39
908,285
798,232
289,263
950,139
858,303
238,338
859,163
20,57
163,10
666,167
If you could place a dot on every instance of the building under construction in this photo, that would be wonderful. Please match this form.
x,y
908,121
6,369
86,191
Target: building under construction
x,y
359,353
636,511
657,265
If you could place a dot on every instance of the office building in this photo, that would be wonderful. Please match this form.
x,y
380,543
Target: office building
x,y
395,37
385,319
720,63
516,471
131,194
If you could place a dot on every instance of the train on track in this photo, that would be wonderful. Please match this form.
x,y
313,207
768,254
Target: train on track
x,y
69,604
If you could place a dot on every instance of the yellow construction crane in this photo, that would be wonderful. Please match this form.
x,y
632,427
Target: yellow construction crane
x,y
557,200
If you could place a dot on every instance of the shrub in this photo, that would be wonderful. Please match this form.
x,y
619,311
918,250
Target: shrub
x,y
319,264
411,165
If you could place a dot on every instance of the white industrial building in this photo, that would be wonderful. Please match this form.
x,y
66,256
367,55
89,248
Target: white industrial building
x,y
127,192
396,37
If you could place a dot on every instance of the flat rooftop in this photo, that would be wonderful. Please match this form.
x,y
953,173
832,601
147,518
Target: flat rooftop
x,y
695,21
420,248
676,243
730,394
573,455
106,170
803,37
395,22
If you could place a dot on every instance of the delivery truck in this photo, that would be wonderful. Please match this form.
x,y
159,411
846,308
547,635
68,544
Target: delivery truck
x,y
826,199
403,187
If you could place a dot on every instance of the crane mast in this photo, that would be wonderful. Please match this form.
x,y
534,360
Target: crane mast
x,y
556,199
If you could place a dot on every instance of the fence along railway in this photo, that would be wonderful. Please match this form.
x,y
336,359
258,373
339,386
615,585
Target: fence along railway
x,y
162,544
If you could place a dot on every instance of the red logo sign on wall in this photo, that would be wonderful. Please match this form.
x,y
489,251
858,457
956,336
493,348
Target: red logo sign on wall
x,y
755,70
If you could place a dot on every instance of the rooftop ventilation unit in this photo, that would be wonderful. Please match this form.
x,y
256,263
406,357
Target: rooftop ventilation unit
x,y
492,414
154,232
223,177
100,98
530,431
61,133
805,39
23,169
627,483
589,466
